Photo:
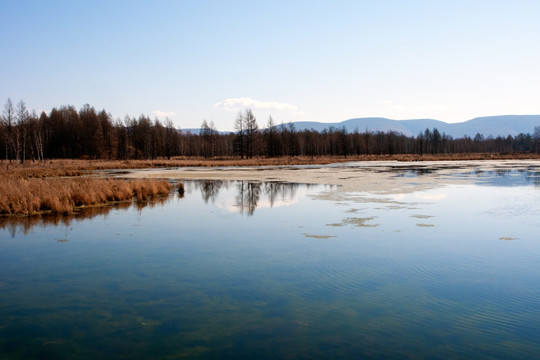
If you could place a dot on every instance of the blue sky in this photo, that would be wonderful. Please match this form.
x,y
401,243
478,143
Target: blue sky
x,y
295,60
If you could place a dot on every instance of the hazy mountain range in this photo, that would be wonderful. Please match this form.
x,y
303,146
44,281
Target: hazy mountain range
x,y
502,125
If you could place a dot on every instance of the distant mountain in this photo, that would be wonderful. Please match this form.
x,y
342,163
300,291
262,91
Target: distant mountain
x,y
197,131
194,131
503,125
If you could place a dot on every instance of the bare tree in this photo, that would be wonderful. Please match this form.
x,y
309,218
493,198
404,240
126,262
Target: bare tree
x,y
171,139
8,118
20,138
272,139
209,134
35,130
108,131
39,135
92,139
536,137
239,140
251,128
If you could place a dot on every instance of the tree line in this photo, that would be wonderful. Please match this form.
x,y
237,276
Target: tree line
x,y
66,132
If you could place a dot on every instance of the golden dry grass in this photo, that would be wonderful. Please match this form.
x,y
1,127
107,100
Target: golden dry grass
x,y
28,196
81,167
40,170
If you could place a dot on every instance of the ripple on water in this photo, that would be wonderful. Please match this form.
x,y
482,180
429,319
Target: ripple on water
x,y
475,302
347,277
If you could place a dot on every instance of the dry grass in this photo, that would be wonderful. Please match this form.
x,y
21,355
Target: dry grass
x,y
40,170
79,167
29,196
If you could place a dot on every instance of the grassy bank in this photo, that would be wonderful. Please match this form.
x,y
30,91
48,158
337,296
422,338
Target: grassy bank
x,y
28,196
78,167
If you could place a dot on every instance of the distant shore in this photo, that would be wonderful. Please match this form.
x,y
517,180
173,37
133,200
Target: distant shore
x,y
73,167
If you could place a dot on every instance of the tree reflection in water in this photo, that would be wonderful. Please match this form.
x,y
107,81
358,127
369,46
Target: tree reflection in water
x,y
210,189
280,191
248,193
248,196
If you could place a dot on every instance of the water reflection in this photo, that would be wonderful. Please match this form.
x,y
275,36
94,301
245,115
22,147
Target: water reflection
x,y
505,177
280,191
248,195
25,224
281,283
210,189
496,177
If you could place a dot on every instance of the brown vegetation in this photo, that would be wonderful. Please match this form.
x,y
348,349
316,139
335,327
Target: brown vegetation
x,y
28,196
63,168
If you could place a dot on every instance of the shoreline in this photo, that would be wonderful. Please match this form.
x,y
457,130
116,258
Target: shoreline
x,y
75,167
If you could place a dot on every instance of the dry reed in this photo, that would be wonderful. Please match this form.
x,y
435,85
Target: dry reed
x,y
28,196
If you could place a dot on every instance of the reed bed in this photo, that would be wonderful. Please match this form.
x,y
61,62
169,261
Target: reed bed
x,y
29,196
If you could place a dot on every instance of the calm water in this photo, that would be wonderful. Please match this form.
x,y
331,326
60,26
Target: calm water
x,y
265,270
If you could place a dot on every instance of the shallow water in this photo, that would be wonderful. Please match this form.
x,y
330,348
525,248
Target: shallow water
x,y
272,270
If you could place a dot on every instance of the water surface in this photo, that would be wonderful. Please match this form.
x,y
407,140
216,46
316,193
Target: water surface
x,y
273,270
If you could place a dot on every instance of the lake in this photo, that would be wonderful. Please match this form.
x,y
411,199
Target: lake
x,y
255,270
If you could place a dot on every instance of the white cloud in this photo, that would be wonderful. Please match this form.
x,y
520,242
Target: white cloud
x,y
236,104
160,113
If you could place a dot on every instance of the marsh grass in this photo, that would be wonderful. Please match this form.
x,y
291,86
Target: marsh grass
x,y
29,196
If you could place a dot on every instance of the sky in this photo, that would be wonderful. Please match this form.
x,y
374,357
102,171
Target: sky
x,y
311,60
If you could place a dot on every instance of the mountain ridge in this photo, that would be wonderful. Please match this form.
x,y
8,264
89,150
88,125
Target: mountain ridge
x,y
497,125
